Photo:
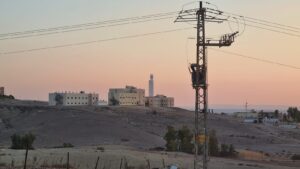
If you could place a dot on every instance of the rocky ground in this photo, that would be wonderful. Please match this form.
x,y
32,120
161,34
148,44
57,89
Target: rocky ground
x,y
140,128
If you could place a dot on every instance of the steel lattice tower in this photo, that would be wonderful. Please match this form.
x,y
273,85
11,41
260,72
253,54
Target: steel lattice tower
x,y
199,77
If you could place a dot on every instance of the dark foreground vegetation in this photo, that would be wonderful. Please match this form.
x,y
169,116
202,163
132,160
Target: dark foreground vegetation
x,y
19,142
181,140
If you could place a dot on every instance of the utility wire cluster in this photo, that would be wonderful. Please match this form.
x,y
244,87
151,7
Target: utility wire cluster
x,y
256,23
88,26
212,14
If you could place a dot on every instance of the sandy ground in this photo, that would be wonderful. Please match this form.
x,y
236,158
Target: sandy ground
x,y
86,157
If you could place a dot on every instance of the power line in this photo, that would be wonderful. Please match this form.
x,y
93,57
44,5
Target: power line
x,y
259,20
138,18
147,18
259,25
268,29
80,29
95,41
256,59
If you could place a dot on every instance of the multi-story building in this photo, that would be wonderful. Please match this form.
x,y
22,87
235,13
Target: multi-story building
x,y
160,101
73,99
128,96
1,91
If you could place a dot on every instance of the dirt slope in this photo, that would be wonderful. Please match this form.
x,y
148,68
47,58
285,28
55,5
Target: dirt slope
x,y
139,127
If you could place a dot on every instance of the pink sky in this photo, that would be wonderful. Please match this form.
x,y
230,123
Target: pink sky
x,y
97,67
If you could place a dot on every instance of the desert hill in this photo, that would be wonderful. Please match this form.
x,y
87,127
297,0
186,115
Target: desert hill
x,y
139,127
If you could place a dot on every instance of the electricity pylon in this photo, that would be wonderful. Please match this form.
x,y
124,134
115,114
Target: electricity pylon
x,y
199,76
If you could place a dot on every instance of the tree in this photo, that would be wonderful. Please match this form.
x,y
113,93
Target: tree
x,y
185,137
276,113
179,140
224,150
59,99
16,141
213,144
22,142
171,139
114,101
11,97
294,113
285,118
231,151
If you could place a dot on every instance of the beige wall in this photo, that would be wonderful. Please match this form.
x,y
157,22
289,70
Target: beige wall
x,y
73,99
160,101
128,96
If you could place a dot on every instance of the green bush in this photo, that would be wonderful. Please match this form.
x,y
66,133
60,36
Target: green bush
x,y
213,145
67,145
182,140
227,150
101,149
171,137
22,142
185,138
179,140
294,113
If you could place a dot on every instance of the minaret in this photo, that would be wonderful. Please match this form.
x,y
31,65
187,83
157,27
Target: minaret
x,y
151,86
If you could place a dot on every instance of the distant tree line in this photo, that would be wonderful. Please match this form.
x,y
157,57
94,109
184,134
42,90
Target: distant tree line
x,y
293,114
181,140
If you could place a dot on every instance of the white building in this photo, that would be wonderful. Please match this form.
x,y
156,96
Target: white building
x,y
151,86
1,91
128,96
73,99
160,101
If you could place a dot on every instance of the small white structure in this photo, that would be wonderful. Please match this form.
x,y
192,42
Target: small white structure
x,y
160,101
102,103
128,96
250,120
151,86
288,125
73,99
272,121
1,91
245,115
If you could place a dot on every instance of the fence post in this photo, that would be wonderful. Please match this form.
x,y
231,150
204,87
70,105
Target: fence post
x,y
148,163
121,163
97,162
163,162
26,154
68,158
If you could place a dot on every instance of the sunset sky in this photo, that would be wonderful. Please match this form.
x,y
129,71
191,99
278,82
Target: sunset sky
x,y
99,66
